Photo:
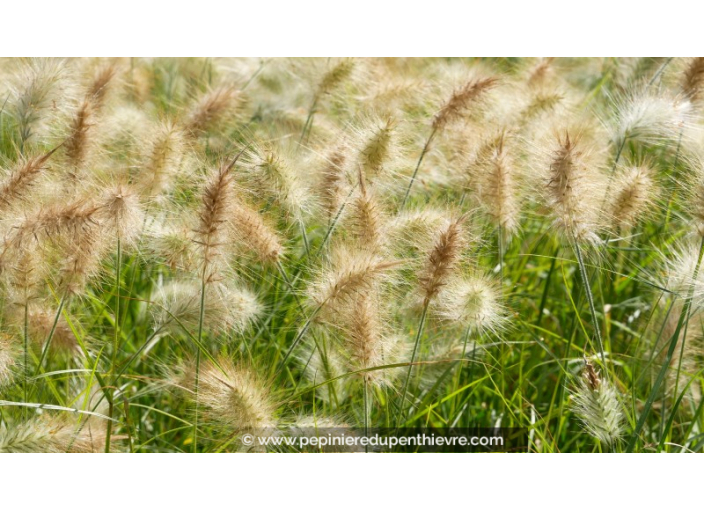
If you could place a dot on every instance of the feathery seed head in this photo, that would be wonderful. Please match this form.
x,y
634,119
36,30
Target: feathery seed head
x,y
172,242
693,80
650,118
176,303
122,211
162,158
333,181
366,342
217,202
462,100
8,356
82,260
474,303
33,94
252,232
100,83
272,172
41,321
570,186
334,77
232,396
540,105
416,229
540,73
44,434
368,226
634,192
679,272
16,187
227,308
443,259
77,217
596,403
72,234
211,109
78,140
24,275
494,179
350,273
377,147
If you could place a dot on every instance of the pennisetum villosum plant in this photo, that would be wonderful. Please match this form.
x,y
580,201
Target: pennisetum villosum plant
x,y
138,255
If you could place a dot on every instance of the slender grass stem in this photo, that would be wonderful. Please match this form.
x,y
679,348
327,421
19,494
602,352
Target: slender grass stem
x,y
416,343
458,376
26,356
309,120
304,236
108,431
289,284
198,347
118,275
503,349
128,425
299,336
592,309
332,225
254,75
546,289
116,339
47,343
619,151
660,71
291,288
426,147
367,411
500,244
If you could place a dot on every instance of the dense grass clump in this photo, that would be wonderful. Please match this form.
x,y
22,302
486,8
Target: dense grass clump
x,y
194,249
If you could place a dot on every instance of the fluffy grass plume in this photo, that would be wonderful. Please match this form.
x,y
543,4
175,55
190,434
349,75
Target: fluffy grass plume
x,y
192,250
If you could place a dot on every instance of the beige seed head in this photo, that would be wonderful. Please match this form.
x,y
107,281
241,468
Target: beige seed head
x,y
442,259
8,356
333,181
570,189
633,193
211,109
693,79
217,202
494,183
349,273
596,403
232,396
164,154
121,210
18,185
254,234
461,100
472,303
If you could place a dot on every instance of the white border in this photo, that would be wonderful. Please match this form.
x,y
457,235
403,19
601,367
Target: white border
x,y
343,480
349,28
